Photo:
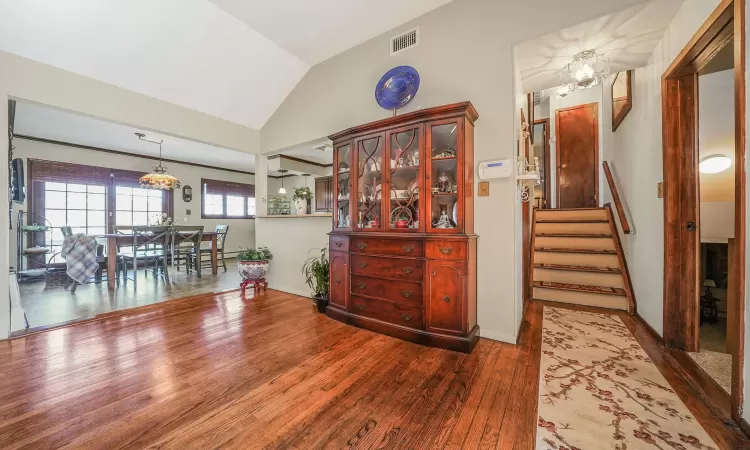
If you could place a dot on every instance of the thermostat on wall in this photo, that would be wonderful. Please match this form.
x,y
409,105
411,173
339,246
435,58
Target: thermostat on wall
x,y
501,168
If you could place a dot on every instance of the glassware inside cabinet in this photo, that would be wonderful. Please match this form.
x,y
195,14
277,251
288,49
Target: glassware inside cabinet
x,y
403,207
343,186
444,176
370,182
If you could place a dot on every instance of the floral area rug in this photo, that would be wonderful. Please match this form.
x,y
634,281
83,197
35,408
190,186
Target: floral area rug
x,y
599,390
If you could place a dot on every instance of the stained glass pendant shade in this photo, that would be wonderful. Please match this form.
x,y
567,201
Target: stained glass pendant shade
x,y
158,178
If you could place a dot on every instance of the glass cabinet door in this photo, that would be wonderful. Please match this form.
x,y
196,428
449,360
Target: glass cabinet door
x,y
444,176
403,206
370,152
342,175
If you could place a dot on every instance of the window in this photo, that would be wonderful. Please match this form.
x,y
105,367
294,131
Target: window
x,y
227,200
137,206
83,207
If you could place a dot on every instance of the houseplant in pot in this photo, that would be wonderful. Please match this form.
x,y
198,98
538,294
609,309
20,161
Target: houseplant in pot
x,y
252,264
315,271
302,197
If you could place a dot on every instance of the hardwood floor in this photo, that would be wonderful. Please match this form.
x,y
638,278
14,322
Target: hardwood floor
x,y
220,371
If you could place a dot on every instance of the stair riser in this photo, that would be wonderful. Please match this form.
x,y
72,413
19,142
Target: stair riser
x,y
566,242
584,278
580,298
582,214
576,259
572,228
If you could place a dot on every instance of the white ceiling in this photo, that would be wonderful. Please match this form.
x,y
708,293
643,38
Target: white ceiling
x,y
627,38
315,30
237,61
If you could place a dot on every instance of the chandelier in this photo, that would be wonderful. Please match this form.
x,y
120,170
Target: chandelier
x,y
587,70
159,178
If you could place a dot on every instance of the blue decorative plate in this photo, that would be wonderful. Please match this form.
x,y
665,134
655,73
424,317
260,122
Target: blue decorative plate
x,y
397,87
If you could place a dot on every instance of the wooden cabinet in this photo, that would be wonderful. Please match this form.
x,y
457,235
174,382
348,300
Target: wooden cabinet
x,y
403,248
324,194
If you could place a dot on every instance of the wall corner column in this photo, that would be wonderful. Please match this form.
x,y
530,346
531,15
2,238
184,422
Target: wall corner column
x,y
261,185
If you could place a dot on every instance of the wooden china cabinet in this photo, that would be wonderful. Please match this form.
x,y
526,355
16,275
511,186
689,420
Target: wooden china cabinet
x,y
403,248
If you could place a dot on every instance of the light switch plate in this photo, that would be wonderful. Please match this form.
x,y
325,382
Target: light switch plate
x,y
660,190
484,188
188,212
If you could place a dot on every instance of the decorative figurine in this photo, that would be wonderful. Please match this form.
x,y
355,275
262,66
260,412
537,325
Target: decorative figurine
x,y
444,221
444,183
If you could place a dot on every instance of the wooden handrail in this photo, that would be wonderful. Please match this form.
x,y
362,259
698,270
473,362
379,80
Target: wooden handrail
x,y
616,198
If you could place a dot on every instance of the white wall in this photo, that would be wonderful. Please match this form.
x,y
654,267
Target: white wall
x,y
638,163
292,241
241,231
465,53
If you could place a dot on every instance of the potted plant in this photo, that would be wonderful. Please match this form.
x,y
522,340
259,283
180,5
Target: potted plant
x,y
302,197
315,271
252,264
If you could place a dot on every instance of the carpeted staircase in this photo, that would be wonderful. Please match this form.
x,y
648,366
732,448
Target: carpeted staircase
x,y
577,259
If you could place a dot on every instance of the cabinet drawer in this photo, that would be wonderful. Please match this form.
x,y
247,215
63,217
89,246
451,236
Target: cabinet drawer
x,y
339,243
447,250
378,266
394,313
395,247
402,292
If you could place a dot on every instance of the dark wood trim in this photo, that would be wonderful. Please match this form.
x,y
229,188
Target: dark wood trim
x,y
531,119
596,148
547,188
708,389
651,331
300,160
465,108
681,199
618,118
632,306
530,281
745,427
740,238
616,198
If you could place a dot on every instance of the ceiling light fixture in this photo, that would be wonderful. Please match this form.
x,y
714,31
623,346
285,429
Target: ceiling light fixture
x,y
159,178
281,189
587,70
714,164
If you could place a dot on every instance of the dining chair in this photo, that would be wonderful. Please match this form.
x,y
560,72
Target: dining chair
x,y
185,240
221,236
143,238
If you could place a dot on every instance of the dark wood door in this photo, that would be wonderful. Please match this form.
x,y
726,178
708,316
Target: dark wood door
x,y
339,279
577,130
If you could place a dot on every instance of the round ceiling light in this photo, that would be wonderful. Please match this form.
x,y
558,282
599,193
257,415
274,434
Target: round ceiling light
x,y
714,164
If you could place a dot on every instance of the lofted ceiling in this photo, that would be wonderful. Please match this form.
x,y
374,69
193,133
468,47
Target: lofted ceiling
x,y
627,38
233,59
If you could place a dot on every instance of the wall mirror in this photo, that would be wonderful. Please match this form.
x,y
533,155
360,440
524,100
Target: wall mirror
x,y
622,97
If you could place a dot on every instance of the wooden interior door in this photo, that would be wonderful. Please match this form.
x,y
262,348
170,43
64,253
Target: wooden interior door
x,y
577,130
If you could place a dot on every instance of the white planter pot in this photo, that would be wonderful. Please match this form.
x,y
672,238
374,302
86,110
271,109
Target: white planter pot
x,y
253,270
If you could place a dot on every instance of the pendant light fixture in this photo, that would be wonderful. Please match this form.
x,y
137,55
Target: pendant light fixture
x,y
588,69
281,189
159,178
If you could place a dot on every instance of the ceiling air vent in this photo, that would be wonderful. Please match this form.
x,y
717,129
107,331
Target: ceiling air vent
x,y
405,41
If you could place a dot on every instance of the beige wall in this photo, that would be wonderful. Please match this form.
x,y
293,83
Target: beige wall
x,y
465,53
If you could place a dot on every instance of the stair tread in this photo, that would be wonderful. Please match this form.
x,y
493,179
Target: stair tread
x,y
593,269
594,251
580,288
572,221
573,235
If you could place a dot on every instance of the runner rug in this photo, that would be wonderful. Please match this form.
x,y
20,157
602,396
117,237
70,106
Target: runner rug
x,y
599,390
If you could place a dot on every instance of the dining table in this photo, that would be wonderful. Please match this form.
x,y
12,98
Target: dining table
x,y
115,240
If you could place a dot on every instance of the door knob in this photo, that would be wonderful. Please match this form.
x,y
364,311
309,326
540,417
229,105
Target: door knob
x,y
564,166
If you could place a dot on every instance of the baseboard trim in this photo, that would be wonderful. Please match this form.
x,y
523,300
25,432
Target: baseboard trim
x,y
497,336
649,328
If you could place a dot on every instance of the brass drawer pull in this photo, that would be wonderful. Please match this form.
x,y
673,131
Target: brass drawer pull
x,y
338,281
406,316
362,265
407,270
362,285
446,250
447,299
338,244
406,293
360,306
362,245
408,248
